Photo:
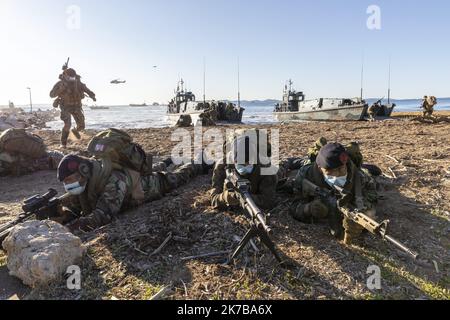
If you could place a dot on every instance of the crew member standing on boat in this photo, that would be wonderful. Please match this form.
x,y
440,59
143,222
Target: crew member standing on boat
x,y
70,91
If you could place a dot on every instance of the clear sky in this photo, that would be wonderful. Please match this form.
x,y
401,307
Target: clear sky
x,y
319,44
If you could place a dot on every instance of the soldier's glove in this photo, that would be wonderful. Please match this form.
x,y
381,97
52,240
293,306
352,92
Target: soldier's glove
x,y
231,198
94,99
91,222
352,231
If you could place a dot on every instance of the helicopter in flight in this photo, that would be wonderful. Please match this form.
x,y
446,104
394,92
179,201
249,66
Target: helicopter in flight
x,y
118,81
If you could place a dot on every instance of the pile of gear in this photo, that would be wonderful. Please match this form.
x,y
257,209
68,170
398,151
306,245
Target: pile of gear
x,y
22,152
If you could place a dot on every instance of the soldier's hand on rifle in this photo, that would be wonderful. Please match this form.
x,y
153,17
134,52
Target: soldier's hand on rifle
x,y
231,198
84,224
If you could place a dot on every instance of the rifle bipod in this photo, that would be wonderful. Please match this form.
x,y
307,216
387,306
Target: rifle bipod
x,y
254,232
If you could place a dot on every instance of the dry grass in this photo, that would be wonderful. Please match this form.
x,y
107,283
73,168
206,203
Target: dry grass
x,y
119,264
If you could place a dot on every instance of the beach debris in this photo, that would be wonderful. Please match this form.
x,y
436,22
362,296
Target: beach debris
x,y
19,119
40,252
163,293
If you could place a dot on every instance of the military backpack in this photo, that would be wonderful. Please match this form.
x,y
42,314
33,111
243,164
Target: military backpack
x,y
118,146
19,141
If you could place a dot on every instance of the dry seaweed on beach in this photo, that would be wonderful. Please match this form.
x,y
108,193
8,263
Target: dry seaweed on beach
x,y
121,262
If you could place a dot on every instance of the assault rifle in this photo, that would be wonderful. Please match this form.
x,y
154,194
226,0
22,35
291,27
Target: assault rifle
x,y
374,227
66,65
40,206
258,227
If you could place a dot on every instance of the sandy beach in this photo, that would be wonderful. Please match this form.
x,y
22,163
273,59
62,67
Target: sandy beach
x,y
415,190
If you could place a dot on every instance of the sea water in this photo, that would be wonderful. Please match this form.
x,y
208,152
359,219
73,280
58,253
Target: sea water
x,y
126,117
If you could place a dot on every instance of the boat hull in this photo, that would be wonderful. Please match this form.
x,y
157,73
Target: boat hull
x,y
174,117
347,113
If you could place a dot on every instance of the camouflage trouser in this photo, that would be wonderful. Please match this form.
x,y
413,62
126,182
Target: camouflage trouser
x,y
67,112
428,112
158,184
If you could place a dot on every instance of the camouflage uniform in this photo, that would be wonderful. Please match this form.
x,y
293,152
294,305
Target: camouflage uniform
x,y
18,164
230,112
207,118
373,111
359,192
262,188
428,104
69,100
104,198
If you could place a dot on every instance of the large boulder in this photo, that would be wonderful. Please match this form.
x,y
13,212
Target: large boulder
x,y
40,252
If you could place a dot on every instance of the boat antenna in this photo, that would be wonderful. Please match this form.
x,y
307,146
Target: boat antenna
x,y
389,82
204,81
239,83
362,77
290,85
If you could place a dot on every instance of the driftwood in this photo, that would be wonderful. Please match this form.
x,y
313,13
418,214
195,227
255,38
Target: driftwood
x,y
159,249
162,293
206,255
392,158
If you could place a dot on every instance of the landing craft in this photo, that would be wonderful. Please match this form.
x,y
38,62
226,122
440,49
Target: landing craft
x,y
185,104
118,81
294,107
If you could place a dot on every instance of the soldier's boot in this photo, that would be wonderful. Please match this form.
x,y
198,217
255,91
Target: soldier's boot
x,y
76,133
64,138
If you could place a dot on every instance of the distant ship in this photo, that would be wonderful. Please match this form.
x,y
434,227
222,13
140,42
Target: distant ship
x,y
139,105
99,108
294,107
184,103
